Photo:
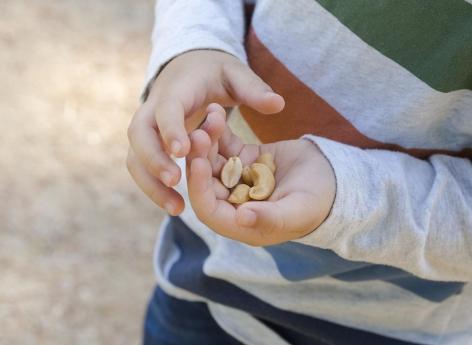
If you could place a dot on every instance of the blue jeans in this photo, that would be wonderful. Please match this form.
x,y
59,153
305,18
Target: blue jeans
x,y
170,321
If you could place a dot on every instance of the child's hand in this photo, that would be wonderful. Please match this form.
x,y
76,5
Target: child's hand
x,y
175,105
302,199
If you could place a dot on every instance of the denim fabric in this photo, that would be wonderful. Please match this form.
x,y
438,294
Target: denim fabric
x,y
170,321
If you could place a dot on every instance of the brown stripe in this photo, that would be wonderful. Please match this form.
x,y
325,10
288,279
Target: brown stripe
x,y
305,112
248,12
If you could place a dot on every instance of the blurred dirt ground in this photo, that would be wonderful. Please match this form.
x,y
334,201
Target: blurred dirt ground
x,y
76,236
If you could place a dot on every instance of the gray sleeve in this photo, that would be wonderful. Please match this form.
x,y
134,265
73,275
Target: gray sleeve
x,y
184,25
394,209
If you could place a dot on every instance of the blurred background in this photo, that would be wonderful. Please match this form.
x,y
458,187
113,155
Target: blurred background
x,y
76,235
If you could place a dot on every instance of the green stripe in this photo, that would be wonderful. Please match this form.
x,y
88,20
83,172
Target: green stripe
x,y
432,39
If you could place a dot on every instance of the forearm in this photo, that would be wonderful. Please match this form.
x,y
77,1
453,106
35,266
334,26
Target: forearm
x,y
401,211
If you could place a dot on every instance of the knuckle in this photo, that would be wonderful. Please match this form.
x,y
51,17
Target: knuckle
x,y
152,163
165,115
252,84
232,66
156,196
165,102
228,67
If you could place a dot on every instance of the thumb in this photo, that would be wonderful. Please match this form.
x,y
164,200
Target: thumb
x,y
249,89
278,221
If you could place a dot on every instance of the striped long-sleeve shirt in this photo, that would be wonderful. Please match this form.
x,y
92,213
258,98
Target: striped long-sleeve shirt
x,y
384,88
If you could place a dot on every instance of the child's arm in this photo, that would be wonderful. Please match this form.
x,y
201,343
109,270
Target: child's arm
x,y
394,209
184,25
386,207
203,40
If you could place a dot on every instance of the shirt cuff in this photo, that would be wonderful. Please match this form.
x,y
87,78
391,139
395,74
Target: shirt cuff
x,y
346,212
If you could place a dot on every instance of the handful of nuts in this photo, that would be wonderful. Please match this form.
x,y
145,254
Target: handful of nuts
x,y
258,179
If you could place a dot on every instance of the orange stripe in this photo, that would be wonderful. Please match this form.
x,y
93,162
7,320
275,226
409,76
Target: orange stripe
x,y
248,12
307,113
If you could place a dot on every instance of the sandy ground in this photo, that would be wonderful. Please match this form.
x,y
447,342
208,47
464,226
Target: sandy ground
x,y
76,236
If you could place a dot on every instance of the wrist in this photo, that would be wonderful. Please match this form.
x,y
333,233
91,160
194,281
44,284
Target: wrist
x,y
326,184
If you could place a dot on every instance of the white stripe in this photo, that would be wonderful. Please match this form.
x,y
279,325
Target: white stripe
x,y
379,97
164,259
244,327
363,303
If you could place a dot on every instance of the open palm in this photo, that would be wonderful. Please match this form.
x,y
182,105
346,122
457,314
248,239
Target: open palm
x,y
304,192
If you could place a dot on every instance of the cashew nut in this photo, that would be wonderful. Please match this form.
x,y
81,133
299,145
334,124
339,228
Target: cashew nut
x,y
240,194
231,172
259,180
246,175
264,182
267,159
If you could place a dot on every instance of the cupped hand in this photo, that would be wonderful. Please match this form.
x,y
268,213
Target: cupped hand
x,y
301,201
176,105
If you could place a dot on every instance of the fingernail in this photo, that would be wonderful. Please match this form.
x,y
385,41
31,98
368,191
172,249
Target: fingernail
x,y
169,207
175,147
247,218
166,177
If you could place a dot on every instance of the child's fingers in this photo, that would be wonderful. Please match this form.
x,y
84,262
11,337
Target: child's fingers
x,y
278,221
221,192
145,143
214,126
249,89
170,119
201,144
217,214
214,123
215,107
217,163
164,197
230,144
200,188
224,142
